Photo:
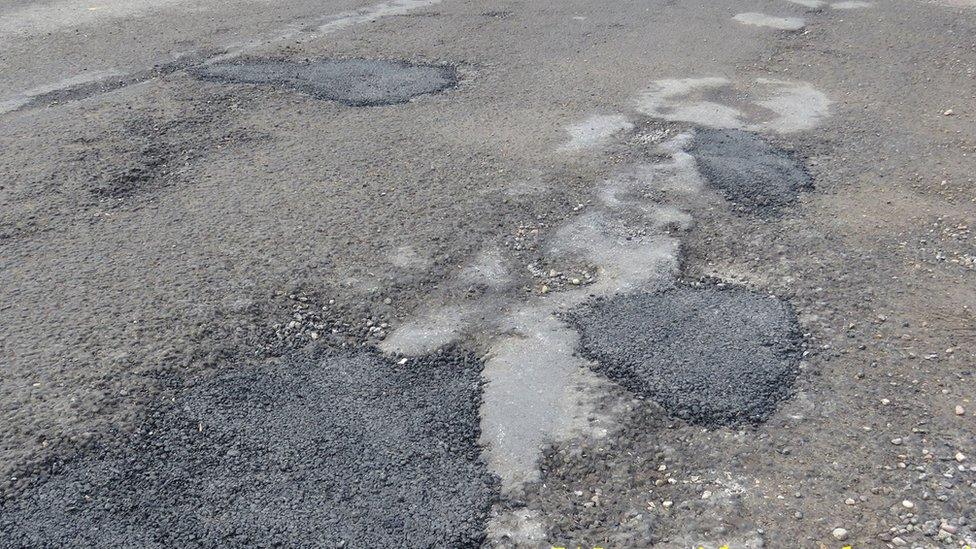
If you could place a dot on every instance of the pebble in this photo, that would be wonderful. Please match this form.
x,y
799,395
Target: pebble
x,y
960,411
896,441
840,534
849,501
960,457
907,504
898,541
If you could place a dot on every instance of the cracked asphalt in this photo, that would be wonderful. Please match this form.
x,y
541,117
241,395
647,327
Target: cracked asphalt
x,y
224,221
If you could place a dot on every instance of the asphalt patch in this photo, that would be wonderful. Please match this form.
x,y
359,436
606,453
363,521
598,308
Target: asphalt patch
x,y
712,356
331,448
355,82
749,171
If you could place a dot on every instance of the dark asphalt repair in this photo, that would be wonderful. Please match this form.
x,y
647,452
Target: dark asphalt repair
x,y
332,448
748,170
712,356
354,82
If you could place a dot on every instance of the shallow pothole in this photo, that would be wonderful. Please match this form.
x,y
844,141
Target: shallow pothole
x,y
334,448
749,171
355,82
713,356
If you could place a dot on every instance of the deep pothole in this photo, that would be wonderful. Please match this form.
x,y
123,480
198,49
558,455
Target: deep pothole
x,y
355,82
330,448
713,356
748,170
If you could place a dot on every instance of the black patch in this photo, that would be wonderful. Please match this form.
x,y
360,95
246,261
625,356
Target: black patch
x,y
327,448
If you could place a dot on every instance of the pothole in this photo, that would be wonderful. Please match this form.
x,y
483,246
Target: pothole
x,y
354,82
748,170
325,448
713,356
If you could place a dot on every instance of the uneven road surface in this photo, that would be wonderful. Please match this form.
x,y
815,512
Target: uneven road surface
x,y
460,273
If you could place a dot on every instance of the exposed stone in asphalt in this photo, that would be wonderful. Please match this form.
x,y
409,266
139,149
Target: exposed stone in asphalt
x,y
748,170
711,356
356,82
326,448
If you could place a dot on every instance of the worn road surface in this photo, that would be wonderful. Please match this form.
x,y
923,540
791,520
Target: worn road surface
x,y
459,273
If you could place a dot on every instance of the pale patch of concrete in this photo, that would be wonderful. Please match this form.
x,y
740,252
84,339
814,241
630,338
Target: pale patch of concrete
x,y
407,257
765,105
522,526
534,391
595,131
429,331
438,326
809,3
852,5
487,269
771,21
799,105
668,99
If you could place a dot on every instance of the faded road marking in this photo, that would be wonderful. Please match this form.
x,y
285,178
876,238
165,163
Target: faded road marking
x,y
595,131
762,105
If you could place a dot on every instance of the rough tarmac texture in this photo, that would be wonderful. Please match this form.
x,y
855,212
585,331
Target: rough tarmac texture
x,y
355,82
748,170
335,448
711,356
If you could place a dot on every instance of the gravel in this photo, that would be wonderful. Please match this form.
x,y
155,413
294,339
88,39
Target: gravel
x,y
708,355
326,448
356,82
748,170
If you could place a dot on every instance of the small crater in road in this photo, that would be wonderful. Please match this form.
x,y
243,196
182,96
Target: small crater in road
x,y
708,355
354,82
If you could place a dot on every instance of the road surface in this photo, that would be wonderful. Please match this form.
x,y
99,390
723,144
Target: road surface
x,y
452,273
